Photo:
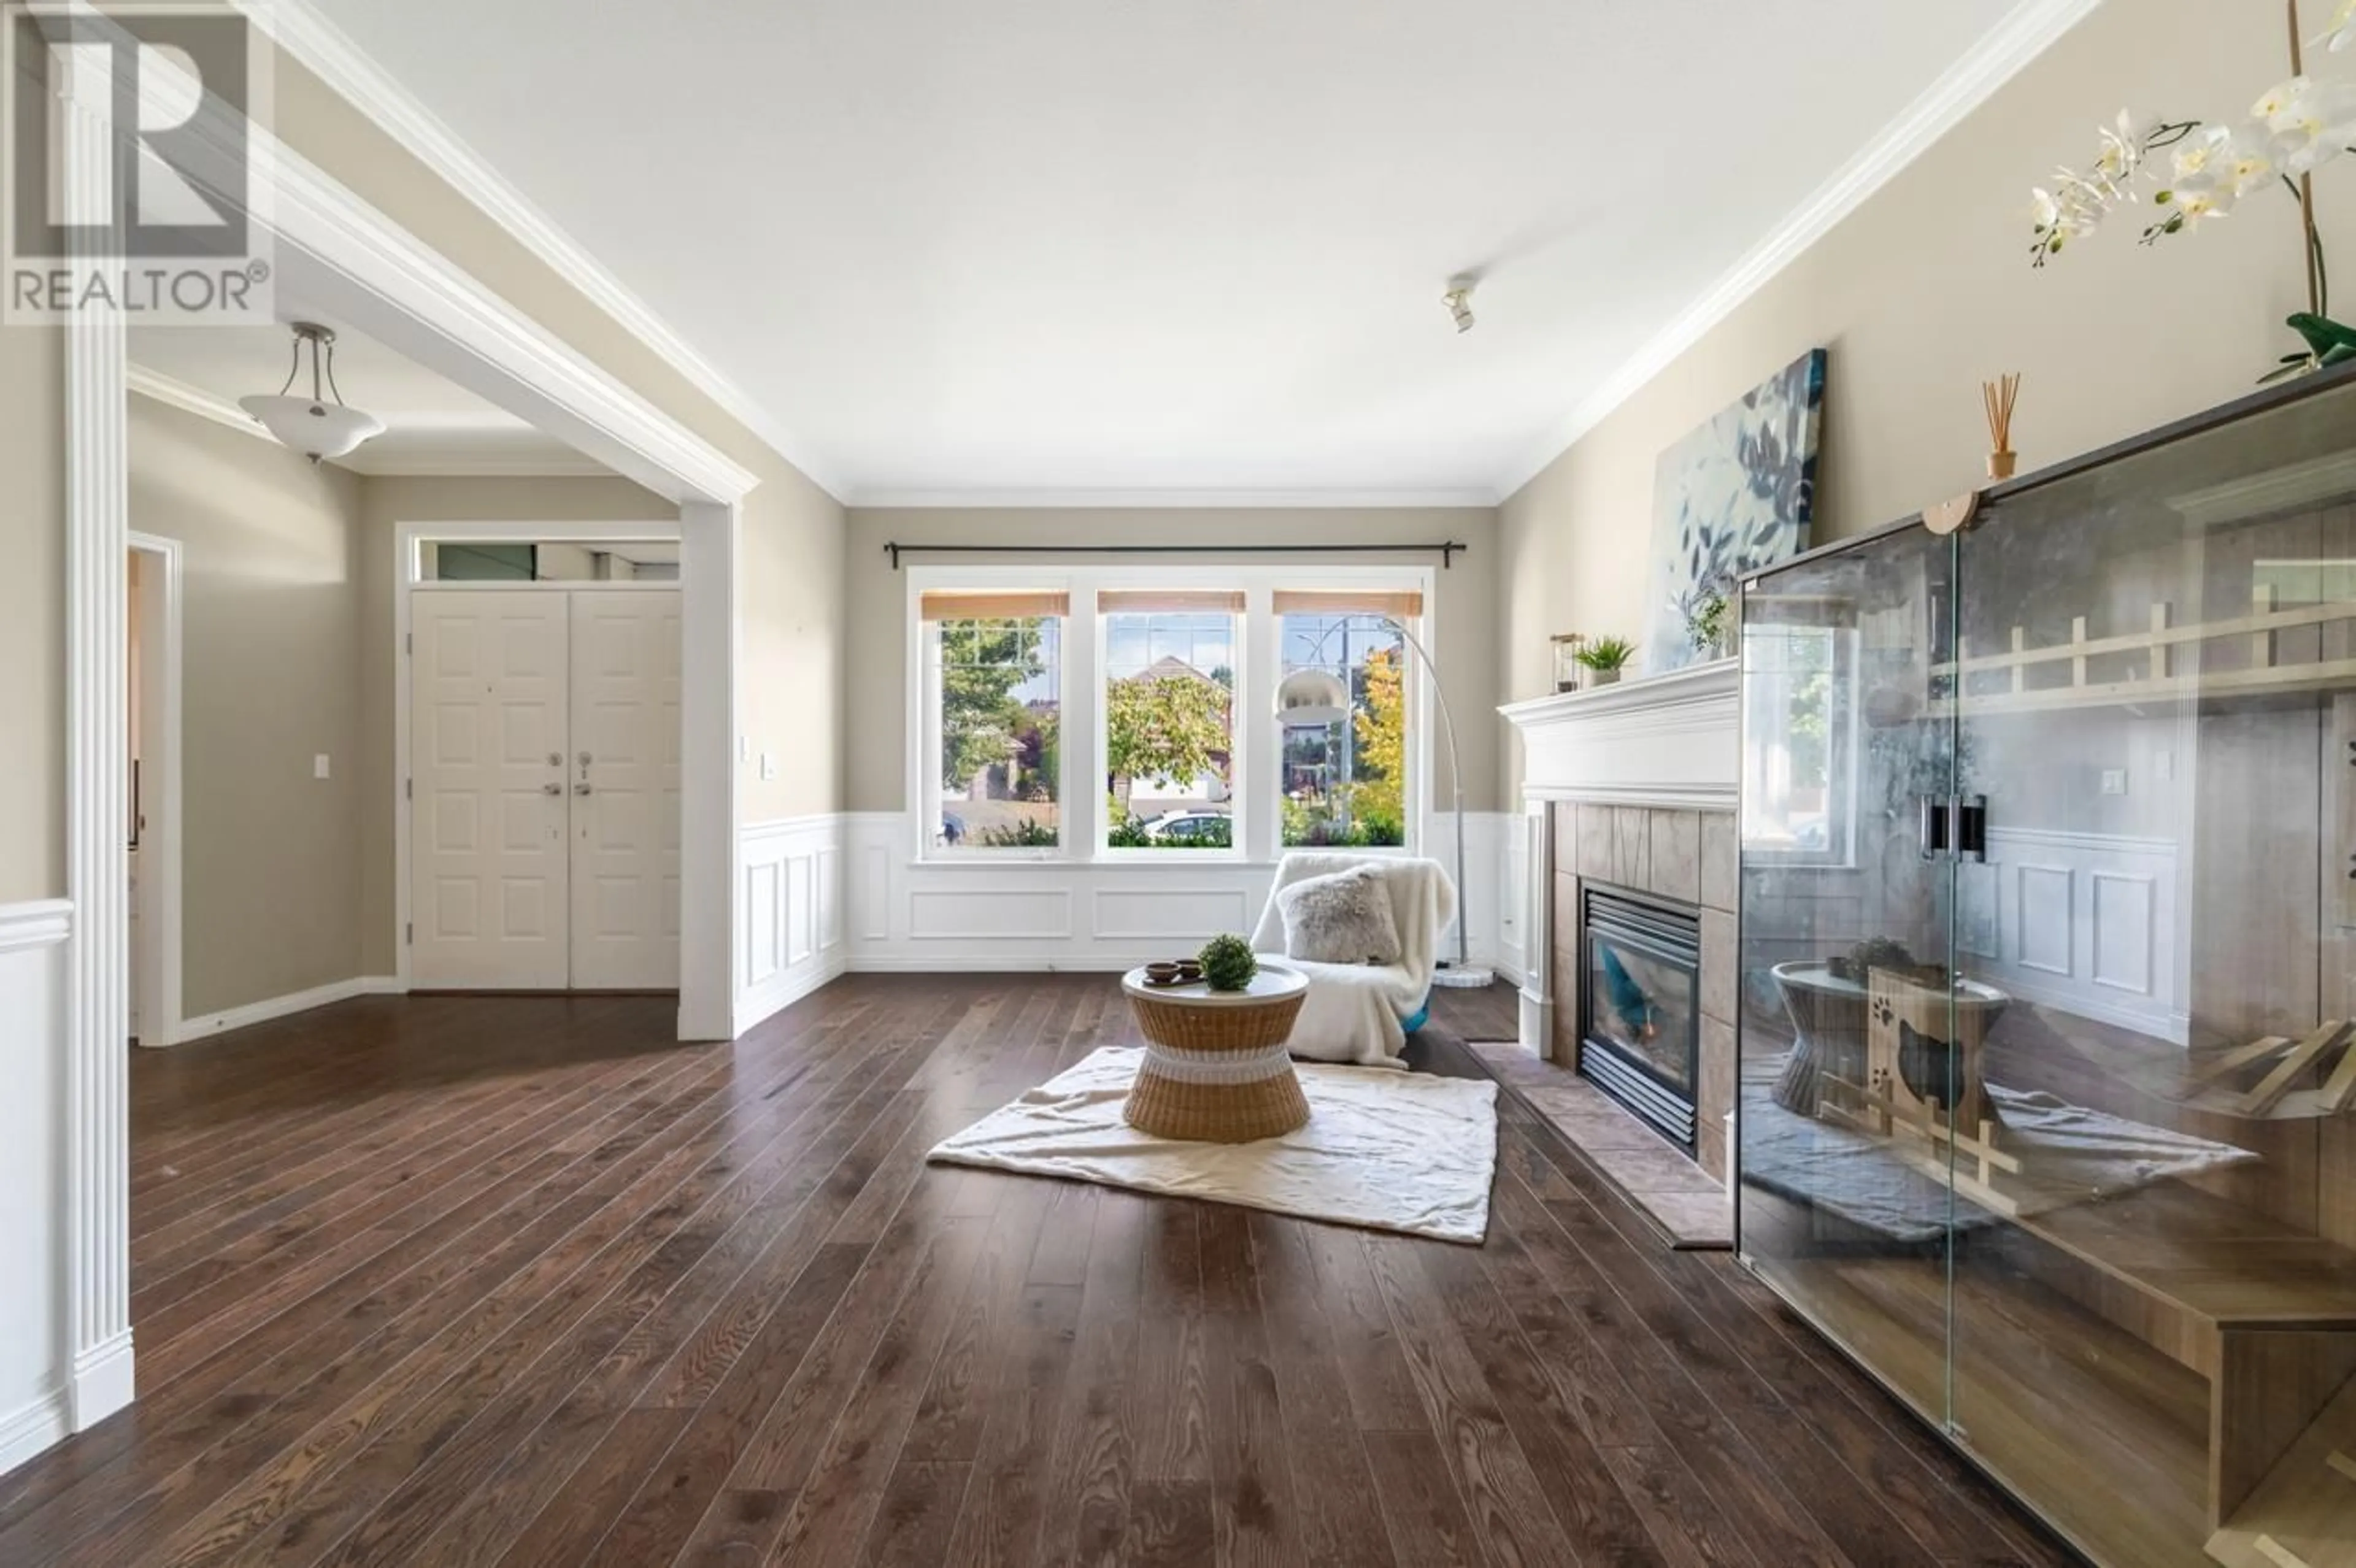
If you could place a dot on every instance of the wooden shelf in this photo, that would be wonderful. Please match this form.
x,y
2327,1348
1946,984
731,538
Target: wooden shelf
x,y
2163,647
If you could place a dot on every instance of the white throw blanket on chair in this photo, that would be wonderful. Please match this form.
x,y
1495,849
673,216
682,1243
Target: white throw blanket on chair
x,y
1354,1012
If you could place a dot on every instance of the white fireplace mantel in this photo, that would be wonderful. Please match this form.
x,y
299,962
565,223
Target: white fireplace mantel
x,y
1671,740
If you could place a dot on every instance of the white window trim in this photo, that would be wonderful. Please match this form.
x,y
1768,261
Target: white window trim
x,y
1259,746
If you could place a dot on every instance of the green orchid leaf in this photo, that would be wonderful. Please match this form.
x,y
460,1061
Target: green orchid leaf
x,y
2321,332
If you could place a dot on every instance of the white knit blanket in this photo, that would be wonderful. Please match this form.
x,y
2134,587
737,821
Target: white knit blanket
x,y
1355,1012
1392,1151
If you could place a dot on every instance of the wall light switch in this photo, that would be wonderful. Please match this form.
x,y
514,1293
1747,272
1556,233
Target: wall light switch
x,y
744,748
319,766
2115,781
768,766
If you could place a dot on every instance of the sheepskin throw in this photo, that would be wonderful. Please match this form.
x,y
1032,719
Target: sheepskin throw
x,y
1344,918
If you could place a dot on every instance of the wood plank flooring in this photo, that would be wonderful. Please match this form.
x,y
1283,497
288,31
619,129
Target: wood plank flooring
x,y
469,1281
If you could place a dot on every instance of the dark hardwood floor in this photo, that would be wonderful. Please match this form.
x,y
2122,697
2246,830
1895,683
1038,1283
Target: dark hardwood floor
x,y
446,1280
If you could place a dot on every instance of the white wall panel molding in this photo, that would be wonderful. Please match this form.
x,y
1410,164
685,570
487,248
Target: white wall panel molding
x,y
36,1400
791,887
2084,922
908,915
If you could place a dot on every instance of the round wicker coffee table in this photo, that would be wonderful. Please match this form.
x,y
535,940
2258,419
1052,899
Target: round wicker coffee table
x,y
1214,1069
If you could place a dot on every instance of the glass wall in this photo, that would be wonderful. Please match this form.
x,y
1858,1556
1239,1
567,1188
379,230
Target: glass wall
x,y
2048,1109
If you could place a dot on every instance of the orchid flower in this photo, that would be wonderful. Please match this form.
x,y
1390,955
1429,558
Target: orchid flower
x,y
2312,122
2341,32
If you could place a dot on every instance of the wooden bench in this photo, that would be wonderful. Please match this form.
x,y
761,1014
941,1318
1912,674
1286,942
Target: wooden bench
x,y
2267,1312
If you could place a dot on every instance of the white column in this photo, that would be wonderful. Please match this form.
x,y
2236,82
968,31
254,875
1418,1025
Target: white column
x,y
1538,927
98,1283
710,916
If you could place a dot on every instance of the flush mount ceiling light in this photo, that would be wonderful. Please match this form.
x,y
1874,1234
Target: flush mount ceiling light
x,y
1459,302
314,426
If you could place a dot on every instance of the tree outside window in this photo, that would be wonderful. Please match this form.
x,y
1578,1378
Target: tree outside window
x,y
1000,729
1169,731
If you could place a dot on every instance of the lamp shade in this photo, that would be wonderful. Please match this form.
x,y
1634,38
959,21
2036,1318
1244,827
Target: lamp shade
x,y
313,428
1310,698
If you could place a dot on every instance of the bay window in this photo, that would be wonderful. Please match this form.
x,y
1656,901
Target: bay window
x,y
1128,714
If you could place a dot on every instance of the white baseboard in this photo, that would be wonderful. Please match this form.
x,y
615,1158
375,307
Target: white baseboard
x,y
283,1006
101,1382
764,1002
38,1425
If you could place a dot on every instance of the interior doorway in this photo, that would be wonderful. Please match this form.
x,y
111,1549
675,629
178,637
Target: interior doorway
x,y
153,671
541,785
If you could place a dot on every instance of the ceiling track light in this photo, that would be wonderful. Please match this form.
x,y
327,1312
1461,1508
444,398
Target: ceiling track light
x,y
314,426
1459,302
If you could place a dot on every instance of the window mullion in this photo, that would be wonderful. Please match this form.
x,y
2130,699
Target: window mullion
x,y
1083,724
1259,759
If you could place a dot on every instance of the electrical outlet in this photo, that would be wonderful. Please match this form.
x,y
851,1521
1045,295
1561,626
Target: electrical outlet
x,y
319,766
2115,781
744,748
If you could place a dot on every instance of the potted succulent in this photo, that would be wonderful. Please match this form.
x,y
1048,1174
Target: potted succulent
x,y
1228,964
1605,658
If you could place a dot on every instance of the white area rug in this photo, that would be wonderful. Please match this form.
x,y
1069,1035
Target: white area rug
x,y
1390,1150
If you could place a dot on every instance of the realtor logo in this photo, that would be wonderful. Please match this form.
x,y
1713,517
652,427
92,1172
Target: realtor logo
x,y
130,175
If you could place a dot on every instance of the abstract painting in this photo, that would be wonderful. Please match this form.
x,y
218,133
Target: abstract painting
x,y
1736,495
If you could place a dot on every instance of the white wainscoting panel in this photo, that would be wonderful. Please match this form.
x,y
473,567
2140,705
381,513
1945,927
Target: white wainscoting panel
x,y
916,916
2084,922
789,877
35,1410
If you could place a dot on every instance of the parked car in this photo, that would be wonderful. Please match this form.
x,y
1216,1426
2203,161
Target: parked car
x,y
1183,827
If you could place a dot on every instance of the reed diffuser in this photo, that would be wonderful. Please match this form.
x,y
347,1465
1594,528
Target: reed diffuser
x,y
1997,397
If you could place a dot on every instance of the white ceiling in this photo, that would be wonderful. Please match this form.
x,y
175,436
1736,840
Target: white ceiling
x,y
1124,245
432,425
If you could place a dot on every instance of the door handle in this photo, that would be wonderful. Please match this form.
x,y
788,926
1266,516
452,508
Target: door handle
x,y
577,789
551,789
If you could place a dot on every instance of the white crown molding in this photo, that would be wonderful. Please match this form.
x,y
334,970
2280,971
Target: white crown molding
x,y
2030,28
175,393
1165,500
328,53
424,463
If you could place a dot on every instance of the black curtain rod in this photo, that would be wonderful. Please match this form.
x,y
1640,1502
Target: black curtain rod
x,y
1446,551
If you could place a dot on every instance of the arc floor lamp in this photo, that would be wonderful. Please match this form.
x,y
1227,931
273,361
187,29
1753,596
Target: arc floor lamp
x,y
1316,698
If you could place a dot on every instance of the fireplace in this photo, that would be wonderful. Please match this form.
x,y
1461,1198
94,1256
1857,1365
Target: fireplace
x,y
1640,1005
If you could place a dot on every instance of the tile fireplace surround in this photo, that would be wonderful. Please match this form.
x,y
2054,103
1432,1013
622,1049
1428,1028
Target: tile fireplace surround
x,y
1633,788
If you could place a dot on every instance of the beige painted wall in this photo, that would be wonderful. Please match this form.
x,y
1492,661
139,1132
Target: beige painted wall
x,y
790,565
1925,290
384,504
878,607
270,659
32,614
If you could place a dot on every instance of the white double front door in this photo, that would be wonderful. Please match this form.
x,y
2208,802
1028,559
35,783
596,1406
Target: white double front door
x,y
544,746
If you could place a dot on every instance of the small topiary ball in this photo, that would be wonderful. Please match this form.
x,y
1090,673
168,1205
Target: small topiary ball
x,y
1228,964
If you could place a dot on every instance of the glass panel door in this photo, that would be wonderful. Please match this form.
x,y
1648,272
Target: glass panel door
x,y
1848,760
2155,1299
